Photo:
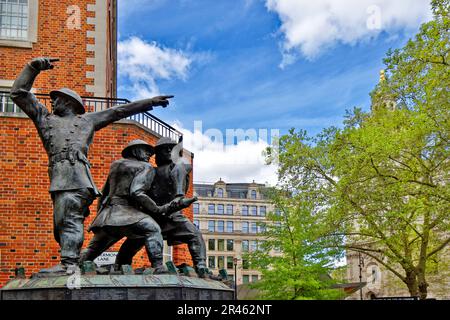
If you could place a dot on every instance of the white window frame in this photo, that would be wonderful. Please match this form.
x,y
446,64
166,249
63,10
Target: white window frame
x,y
33,12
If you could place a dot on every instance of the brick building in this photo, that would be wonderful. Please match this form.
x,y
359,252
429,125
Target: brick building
x,y
82,33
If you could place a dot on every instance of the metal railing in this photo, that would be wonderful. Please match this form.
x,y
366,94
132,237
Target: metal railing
x,y
93,104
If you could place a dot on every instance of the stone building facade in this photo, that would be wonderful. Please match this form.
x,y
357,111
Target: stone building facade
x,y
82,33
229,216
381,282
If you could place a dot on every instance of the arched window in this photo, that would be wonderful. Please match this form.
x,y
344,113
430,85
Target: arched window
x,y
220,193
253,194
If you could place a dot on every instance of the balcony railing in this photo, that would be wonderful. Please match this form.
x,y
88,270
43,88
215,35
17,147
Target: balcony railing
x,y
94,104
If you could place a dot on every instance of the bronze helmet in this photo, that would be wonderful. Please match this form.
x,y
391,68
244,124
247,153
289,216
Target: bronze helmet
x,y
72,95
165,141
134,143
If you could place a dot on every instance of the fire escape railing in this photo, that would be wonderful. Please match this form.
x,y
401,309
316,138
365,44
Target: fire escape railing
x,y
94,104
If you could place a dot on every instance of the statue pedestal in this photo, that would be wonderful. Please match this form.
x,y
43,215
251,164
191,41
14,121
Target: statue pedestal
x,y
116,287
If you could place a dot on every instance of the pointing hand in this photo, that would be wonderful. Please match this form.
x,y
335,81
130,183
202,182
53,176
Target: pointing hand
x,y
161,101
43,63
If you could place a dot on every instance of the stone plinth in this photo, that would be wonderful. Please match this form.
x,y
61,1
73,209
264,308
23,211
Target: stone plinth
x,y
116,287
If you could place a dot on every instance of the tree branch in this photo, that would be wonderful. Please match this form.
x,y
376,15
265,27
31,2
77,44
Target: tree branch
x,y
439,248
387,266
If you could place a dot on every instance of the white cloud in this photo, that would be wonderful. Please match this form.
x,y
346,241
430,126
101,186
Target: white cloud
x,y
241,162
313,26
143,63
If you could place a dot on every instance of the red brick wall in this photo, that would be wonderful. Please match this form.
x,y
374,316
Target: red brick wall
x,y
26,230
26,236
55,40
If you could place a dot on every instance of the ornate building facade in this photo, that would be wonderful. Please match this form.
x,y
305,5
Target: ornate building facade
x,y
231,217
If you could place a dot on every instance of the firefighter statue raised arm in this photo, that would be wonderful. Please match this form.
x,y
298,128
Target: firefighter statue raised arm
x,y
66,133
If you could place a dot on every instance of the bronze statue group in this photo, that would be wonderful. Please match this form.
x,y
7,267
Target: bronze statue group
x,y
138,201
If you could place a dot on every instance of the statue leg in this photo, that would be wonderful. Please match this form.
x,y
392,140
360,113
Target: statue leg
x,y
150,230
185,231
128,250
69,209
99,243
144,233
197,249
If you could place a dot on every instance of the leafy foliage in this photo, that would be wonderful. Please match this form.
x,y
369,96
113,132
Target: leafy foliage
x,y
300,268
382,182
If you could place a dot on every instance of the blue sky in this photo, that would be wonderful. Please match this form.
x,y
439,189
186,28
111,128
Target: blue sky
x,y
272,64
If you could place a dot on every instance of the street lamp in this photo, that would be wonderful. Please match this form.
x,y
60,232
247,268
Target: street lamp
x,y
361,265
235,261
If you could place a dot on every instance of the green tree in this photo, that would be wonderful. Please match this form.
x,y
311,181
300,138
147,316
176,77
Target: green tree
x,y
382,182
302,261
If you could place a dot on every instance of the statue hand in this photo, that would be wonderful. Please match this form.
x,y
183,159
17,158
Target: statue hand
x,y
184,202
43,63
161,101
180,203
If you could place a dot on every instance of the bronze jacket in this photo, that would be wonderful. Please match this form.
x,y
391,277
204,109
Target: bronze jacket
x,y
124,201
66,139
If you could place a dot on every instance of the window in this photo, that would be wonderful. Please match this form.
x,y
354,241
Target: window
x,y
212,244
230,246
211,208
262,227
253,245
262,211
212,262
245,227
245,210
253,194
245,245
254,228
245,279
209,193
14,19
6,104
220,262
220,209
254,278
220,193
197,223
220,226
229,262
230,209
278,212
196,208
221,245
253,211
211,226
245,264
18,22
230,226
